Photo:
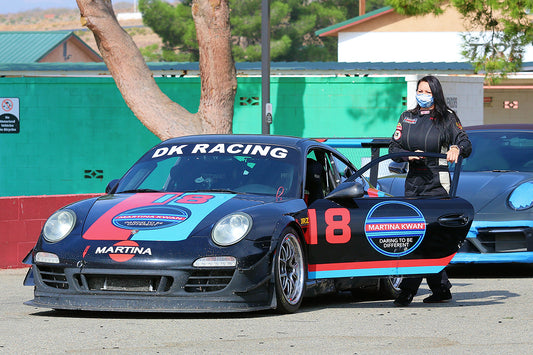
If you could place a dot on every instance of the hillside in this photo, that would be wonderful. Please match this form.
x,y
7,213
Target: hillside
x,y
66,19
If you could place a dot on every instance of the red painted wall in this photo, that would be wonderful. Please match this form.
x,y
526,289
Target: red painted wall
x,y
21,221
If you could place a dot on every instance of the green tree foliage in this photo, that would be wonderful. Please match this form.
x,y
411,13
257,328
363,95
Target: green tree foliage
x,y
175,26
293,23
499,30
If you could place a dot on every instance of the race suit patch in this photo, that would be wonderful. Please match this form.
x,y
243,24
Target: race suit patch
x,y
397,135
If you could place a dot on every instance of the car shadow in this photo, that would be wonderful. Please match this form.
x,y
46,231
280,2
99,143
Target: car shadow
x,y
59,313
457,274
460,299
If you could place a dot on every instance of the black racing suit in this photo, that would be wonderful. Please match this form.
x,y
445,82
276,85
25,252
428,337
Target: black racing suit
x,y
416,130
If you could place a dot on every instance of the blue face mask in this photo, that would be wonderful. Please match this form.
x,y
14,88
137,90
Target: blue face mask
x,y
424,100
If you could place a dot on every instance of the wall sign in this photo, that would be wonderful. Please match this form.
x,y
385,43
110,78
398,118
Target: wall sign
x,y
9,115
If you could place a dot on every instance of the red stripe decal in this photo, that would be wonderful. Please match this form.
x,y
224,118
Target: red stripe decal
x,y
103,228
380,264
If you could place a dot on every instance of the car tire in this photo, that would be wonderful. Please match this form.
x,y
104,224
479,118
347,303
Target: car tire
x,y
389,287
289,272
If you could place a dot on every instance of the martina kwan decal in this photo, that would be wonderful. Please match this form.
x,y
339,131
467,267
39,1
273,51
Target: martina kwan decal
x,y
151,217
222,148
395,228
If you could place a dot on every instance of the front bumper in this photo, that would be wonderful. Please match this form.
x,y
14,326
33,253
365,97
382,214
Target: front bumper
x,y
132,290
497,242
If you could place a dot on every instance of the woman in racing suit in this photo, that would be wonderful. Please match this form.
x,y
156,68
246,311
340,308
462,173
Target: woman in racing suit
x,y
430,127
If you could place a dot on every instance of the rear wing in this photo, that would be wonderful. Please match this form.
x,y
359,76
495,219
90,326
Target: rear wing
x,y
368,148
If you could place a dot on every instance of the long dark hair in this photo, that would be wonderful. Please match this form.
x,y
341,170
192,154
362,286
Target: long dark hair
x,y
441,109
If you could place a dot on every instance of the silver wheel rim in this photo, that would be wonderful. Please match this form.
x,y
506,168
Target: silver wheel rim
x,y
291,269
396,281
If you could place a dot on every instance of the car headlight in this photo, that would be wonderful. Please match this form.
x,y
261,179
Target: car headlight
x,y
231,228
522,197
59,225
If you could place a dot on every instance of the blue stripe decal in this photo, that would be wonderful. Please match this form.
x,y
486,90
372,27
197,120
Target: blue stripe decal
x,y
381,234
418,270
182,230
518,257
509,223
346,142
165,198
395,219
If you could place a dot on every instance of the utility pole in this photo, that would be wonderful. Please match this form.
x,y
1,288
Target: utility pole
x,y
362,7
266,106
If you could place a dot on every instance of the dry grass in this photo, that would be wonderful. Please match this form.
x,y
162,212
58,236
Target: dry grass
x,y
64,19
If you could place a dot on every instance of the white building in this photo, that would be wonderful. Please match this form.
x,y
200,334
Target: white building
x,y
387,38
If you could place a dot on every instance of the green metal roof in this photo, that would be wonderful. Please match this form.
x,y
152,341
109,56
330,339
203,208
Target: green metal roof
x,y
30,46
244,68
352,21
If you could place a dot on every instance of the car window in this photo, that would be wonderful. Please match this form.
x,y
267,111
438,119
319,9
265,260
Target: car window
x,y
321,175
325,171
158,176
344,170
331,172
500,151
255,173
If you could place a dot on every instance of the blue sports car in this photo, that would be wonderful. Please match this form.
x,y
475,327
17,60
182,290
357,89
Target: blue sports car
x,y
497,179
237,223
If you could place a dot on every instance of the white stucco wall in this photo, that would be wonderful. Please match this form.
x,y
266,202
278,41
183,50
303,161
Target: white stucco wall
x,y
399,47
463,94
404,47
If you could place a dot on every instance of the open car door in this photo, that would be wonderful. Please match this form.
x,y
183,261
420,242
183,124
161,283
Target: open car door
x,y
352,234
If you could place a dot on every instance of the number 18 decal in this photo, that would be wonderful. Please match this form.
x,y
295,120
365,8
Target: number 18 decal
x,y
337,230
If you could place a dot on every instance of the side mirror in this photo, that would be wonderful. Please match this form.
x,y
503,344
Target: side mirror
x,y
398,168
111,186
347,189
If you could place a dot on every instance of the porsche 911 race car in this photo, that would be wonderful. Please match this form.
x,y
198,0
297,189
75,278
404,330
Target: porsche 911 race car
x,y
221,223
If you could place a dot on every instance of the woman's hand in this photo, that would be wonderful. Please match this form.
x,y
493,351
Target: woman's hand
x,y
416,157
453,154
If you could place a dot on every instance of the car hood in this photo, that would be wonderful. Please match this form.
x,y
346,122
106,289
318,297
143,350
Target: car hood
x,y
160,216
481,188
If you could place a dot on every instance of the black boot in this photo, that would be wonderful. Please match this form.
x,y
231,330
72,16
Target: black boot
x,y
441,296
404,299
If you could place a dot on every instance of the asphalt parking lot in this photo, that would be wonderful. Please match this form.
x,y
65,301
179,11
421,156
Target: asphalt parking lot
x,y
491,313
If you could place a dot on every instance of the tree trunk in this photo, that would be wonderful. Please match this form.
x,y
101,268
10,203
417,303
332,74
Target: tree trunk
x,y
217,68
162,116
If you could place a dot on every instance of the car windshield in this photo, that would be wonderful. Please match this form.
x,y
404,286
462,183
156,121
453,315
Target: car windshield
x,y
500,151
267,170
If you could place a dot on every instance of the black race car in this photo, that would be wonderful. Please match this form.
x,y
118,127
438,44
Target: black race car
x,y
237,223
